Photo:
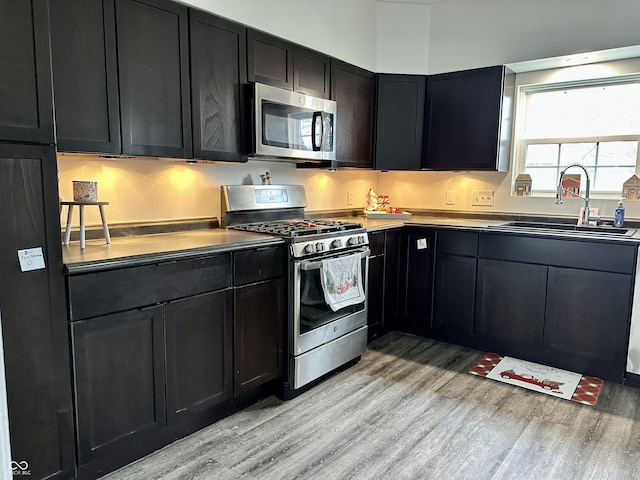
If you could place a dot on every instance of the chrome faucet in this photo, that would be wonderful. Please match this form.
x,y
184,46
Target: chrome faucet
x,y
586,217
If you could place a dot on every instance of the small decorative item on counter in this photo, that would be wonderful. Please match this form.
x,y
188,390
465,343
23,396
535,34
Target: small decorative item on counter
x,y
522,187
379,206
618,219
631,188
372,201
85,192
266,178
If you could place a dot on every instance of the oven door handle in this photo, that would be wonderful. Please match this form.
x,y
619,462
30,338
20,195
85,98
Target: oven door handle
x,y
306,265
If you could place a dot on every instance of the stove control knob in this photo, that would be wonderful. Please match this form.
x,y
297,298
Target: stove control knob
x,y
352,241
310,248
319,247
361,239
337,243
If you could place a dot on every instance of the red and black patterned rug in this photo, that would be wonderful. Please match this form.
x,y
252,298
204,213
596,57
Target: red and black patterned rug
x,y
541,378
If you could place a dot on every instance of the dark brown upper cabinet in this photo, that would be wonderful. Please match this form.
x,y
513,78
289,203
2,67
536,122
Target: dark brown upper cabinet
x,y
468,120
353,88
218,79
153,63
85,75
269,60
399,119
26,105
311,72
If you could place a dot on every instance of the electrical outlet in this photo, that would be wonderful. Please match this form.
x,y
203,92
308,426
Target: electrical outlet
x,y
451,197
482,198
349,197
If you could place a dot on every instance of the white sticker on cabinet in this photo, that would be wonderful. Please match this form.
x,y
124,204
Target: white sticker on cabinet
x,y
31,259
422,243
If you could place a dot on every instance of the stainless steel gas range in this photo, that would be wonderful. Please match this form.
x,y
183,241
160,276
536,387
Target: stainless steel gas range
x,y
327,281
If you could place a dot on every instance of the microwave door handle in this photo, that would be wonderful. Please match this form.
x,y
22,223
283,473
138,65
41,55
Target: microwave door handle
x,y
314,121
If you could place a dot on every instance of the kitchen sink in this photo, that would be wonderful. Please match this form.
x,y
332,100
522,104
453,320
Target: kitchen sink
x,y
606,230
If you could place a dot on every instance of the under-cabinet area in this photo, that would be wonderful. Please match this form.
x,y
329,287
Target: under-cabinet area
x,y
163,349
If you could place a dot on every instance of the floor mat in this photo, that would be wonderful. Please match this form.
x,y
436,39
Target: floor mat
x,y
540,378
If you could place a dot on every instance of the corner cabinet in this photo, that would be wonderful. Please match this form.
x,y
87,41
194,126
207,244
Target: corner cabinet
x,y
218,88
153,65
26,104
468,117
399,119
353,89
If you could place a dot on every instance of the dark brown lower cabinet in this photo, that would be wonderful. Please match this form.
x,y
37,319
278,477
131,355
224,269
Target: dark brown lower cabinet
x,y
375,297
587,320
259,332
509,310
418,259
119,379
454,296
199,342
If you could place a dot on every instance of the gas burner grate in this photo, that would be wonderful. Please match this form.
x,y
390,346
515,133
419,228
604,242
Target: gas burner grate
x,y
298,228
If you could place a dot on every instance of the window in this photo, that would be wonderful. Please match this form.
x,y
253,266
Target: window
x,y
595,123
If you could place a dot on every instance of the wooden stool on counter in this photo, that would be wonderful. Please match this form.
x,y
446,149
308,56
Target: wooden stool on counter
x,y
67,232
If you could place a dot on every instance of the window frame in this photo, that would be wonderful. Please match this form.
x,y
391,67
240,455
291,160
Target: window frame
x,y
606,73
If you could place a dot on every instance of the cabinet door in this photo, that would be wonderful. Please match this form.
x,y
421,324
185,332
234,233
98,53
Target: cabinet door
x,y
392,253
375,297
33,311
199,343
218,79
463,120
587,321
510,302
85,81
311,72
269,60
26,106
153,62
259,325
454,295
119,380
399,119
418,281
353,89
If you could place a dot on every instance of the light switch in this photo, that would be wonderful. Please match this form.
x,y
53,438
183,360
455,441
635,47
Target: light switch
x,y
451,197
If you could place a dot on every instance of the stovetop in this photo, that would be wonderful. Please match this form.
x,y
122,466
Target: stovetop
x,y
299,228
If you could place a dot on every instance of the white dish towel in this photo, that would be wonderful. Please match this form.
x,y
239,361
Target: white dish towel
x,y
341,280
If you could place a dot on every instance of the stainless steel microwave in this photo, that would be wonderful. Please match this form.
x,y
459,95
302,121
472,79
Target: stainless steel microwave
x,y
292,126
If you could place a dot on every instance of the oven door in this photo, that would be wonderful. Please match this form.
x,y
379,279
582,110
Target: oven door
x,y
314,322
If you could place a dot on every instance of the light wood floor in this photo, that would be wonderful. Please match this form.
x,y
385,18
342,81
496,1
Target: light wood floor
x,y
409,410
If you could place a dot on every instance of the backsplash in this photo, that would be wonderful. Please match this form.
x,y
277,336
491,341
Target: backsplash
x,y
143,189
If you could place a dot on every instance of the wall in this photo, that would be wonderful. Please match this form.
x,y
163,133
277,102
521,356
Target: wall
x,y
142,189
403,37
342,29
470,33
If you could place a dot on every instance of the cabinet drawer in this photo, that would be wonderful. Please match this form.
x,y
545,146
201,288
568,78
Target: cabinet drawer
x,y
116,290
455,242
258,264
605,257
